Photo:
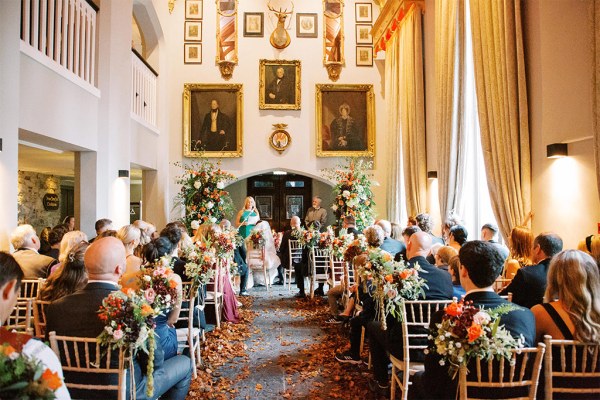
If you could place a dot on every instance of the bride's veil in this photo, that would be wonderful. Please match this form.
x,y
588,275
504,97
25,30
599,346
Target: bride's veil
x,y
268,235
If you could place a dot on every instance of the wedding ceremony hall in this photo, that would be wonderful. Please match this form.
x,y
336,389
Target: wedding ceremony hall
x,y
310,199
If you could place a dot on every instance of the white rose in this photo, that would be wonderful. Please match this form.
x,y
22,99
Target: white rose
x,y
334,207
346,193
220,185
168,297
213,220
210,205
197,184
195,224
147,277
482,318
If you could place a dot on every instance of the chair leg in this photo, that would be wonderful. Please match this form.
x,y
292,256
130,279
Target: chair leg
x,y
218,314
393,383
362,340
192,356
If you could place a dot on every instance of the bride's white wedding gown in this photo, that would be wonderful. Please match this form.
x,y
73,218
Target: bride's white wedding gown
x,y
271,259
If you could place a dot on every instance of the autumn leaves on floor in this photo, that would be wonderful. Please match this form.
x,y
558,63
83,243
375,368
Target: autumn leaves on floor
x,y
281,349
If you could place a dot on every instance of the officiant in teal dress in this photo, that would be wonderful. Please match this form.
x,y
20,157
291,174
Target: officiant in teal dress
x,y
247,217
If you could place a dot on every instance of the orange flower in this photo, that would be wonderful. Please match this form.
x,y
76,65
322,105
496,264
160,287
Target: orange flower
x,y
405,274
8,350
389,278
387,257
172,283
51,379
475,332
454,309
147,310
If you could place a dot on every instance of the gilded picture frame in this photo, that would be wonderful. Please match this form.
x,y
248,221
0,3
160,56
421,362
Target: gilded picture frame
x,y
280,140
345,120
279,87
212,120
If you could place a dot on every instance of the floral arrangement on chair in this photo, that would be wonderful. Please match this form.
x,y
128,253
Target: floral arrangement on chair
x,y
355,248
467,332
202,193
339,245
158,285
224,244
353,195
310,238
201,264
326,239
22,377
257,238
277,238
129,325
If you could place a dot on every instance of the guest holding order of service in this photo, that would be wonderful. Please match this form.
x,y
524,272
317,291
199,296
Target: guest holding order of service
x,y
247,217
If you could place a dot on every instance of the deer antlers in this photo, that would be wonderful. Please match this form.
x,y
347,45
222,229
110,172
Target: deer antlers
x,y
284,12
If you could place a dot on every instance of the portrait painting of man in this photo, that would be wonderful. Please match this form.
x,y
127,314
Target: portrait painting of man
x,y
280,85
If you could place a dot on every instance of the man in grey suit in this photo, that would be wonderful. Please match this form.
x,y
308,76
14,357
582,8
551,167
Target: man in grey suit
x,y
77,315
27,243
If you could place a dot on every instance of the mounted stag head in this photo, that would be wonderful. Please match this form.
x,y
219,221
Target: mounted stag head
x,y
280,38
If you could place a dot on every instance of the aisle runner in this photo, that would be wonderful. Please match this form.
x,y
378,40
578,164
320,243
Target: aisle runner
x,y
288,353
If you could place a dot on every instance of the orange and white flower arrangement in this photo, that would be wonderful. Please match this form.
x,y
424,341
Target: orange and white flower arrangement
x,y
467,332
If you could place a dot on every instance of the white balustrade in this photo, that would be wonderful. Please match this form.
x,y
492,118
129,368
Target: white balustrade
x,y
64,31
143,90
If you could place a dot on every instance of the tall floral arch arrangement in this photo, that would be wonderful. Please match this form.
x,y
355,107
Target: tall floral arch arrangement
x,y
202,193
353,194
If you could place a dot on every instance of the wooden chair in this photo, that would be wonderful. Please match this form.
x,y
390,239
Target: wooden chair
x,y
20,318
295,253
414,337
319,266
31,287
189,337
214,294
508,297
338,269
522,371
571,367
255,258
85,356
500,283
39,317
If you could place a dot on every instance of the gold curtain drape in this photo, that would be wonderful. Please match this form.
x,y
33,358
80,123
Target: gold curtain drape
x,y
596,80
449,56
412,111
502,107
395,185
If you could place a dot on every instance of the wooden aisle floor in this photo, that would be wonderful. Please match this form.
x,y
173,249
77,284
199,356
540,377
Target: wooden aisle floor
x,y
282,349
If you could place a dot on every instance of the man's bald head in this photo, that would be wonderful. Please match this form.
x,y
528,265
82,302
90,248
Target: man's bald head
x,y
105,259
419,244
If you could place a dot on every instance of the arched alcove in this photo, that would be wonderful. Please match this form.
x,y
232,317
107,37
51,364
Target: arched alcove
x,y
148,24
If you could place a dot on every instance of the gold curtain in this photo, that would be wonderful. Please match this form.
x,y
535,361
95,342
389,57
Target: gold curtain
x,y
412,111
596,80
502,107
392,100
449,56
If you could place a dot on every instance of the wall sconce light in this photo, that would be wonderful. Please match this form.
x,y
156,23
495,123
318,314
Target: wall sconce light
x,y
431,174
0,144
557,150
123,173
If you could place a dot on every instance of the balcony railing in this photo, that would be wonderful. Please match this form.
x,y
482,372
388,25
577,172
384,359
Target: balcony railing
x,y
143,90
63,31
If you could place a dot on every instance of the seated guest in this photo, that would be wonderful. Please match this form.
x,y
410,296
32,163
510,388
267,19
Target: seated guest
x,y
69,240
406,234
425,223
239,257
451,220
591,245
147,233
26,244
390,245
434,249
69,223
571,309
70,278
101,226
54,238
130,236
396,231
529,285
457,290
489,233
44,243
457,236
375,236
349,224
521,243
480,265
443,256
105,263
439,287
10,283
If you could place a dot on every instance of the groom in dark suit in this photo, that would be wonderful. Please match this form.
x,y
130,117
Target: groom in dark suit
x,y
77,315
480,265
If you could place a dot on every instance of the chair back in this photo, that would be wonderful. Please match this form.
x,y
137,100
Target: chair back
x,y
39,317
20,318
31,287
86,361
295,251
320,264
189,337
516,378
500,283
417,316
338,271
571,367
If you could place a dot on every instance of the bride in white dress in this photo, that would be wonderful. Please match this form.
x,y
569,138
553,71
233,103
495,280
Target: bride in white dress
x,y
253,257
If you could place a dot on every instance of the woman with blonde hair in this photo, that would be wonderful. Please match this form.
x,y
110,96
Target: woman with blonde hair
x,y
70,278
591,245
247,217
571,308
69,240
130,236
521,243
147,233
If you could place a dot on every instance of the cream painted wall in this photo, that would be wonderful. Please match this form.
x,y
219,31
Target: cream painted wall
x,y
560,65
258,156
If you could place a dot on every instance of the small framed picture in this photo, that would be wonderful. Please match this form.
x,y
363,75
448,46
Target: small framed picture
x,y
254,24
363,34
363,12
192,53
280,140
306,25
193,9
364,56
193,31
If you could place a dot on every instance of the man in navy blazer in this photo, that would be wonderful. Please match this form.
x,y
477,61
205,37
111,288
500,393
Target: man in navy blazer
x,y
529,284
480,265
77,315
439,287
